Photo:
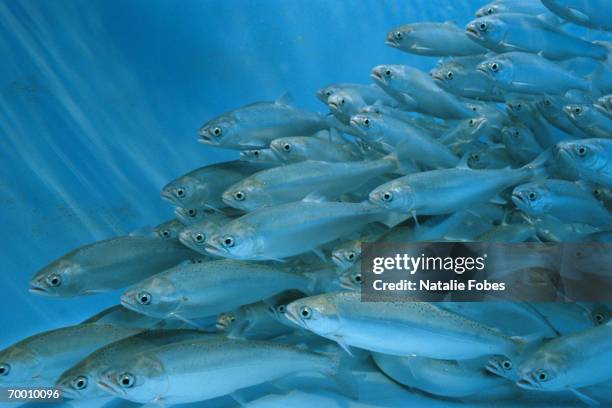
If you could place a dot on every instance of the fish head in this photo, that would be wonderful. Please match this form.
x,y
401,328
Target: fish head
x,y
62,277
156,296
519,107
549,105
183,191
244,195
532,198
517,135
189,216
490,9
446,76
369,125
502,366
351,279
345,255
578,113
387,75
195,236
290,149
400,37
585,154
19,366
543,371
498,69
316,313
237,241
169,229
344,102
489,30
604,104
219,131
79,382
140,379
393,196
324,93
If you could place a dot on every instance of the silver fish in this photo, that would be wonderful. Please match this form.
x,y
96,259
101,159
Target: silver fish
x,y
370,93
433,39
202,187
107,265
38,360
521,143
590,120
459,76
418,92
512,32
590,158
260,156
195,235
588,13
254,126
300,148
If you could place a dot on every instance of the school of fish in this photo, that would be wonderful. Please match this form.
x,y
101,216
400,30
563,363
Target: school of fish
x,y
251,295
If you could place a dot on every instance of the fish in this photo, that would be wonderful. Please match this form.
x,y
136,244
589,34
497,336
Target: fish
x,y
515,32
418,92
120,316
202,187
394,134
345,103
108,265
254,321
399,329
370,93
529,73
175,373
512,6
38,360
260,156
169,229
445,378
590,120
195,235
490,157
286,230
80,381
445,191
566,201
570,363
300,148
254,126
349,252
522,109
587,13
460,77
469,131
589,158
198,290
552,108
294,182
426,124
603,195
604,104
433,39
521,143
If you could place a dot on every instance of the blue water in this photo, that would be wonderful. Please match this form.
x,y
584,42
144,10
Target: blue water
x,y
100,103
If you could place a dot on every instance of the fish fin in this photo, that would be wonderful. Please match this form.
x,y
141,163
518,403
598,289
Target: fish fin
x,y
463,163
409,100
498,200
344,346
213,208
315,197
284,99
343,374
318,252
322,135
542,317
585,398
539,164
186,320
578,15
523,341
239,398
402,159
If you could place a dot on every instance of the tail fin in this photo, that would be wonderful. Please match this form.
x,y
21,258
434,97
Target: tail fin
x,y
402,164
342,373
539,166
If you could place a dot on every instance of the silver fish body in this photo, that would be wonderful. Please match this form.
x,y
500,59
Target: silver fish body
x,y
433,39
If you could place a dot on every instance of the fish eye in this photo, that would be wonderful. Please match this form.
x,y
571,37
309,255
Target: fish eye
x,y
517,133
281,309
366,122
450,75
287,147
239,196
471,122
192,213
357,278
388,73
547,102
494,66
350,256
305,312
577,110
199,237
144,298
5,369
228,242
532,196
599,318
597,193
490,10
387,196
398,35
126,380
165,234
217,131
541,375
256,153
79,383
482,26
328,93
54,280
507,364
179,192
475,157
341,101
581,150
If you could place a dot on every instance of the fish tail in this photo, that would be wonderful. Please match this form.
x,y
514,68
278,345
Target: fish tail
x,y
538,168
342,373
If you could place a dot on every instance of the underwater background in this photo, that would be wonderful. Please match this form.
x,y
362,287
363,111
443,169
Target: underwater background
x,y
101,101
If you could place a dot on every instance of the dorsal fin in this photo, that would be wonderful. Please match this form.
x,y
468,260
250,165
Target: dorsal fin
x,y
285,99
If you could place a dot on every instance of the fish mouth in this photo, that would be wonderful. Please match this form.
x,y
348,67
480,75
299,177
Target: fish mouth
x,y
528,384
518,200
111,388
126,301
493,368
168,196
215,250
37,289
333,106
378,77
338,261
437,76
471,31
289,315
68,392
